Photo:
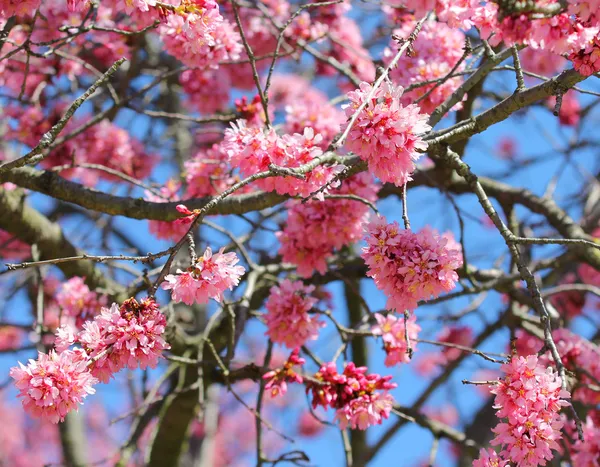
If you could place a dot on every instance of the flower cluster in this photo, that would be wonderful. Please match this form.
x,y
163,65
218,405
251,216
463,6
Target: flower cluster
x,y
9,8
253,150
587,452
360,399
208,89
77,300
198,35
103,144
125,336
386,134
288,320
207,278
315,229
54,384
437,50
529,398
410,266
277,379
208,172
393,331
489,458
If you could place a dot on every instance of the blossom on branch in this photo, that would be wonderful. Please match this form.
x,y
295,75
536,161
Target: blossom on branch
x,y
54,384
410,266
288,320
277,379
393,331
207,278
386,134
360,399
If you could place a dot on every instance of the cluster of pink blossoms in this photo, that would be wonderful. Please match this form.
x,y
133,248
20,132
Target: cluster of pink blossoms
x,y
489,458
103,144
410,266
393,331
314,230
54,384
288,320
77,300
277,379
437,50
9,8
529,398
125,336
360,399
208,278
580,356
197,34
586,453
386,134
208,172
129,336
254,150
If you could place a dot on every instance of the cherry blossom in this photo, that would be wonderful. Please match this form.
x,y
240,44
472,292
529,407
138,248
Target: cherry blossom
x,y
529,398
77,300
208,278
410,266
126,336
386,134
54,384
393,332
315,229
360,399
277,379
287,318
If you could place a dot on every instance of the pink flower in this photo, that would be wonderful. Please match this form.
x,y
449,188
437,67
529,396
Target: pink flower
x,y
314,230
9,8
437,49
410,266
253,150
208,89
529,398
507,148
53,385
365,411
570,109
587,452
392,330
13,248
199,36
386,134
208,278
277,379
65,338
208,173
77,300
587,60
288,320
124,337
489,458
360,399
